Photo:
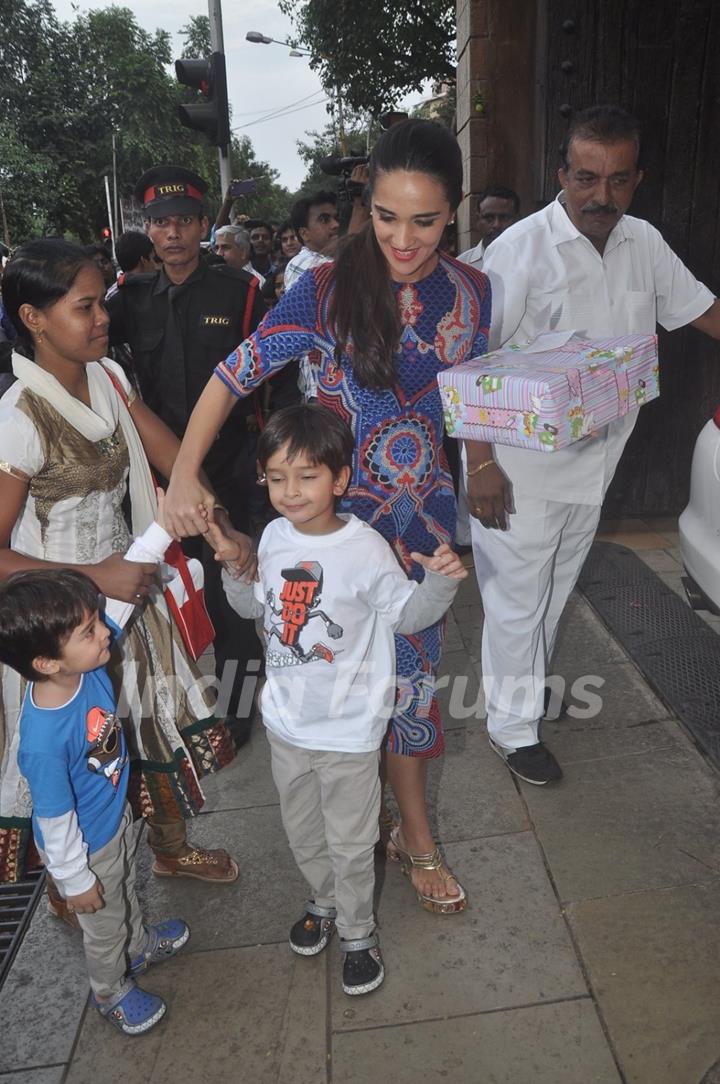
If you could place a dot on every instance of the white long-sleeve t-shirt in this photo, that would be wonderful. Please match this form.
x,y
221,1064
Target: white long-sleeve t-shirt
x,y
331,605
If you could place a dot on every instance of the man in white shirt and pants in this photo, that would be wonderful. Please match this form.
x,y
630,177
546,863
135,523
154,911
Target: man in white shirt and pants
x,y
580,264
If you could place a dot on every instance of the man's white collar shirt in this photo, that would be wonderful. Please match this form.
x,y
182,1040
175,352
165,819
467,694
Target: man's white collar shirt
x,y
474,256
546,276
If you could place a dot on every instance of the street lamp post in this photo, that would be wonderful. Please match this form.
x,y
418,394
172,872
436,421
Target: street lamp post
x,y
262,39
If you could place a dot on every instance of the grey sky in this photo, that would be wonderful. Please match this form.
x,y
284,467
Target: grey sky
x,y
261,78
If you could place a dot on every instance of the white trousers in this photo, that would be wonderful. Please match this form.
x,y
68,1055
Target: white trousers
x,y
463,535
526,575
330,803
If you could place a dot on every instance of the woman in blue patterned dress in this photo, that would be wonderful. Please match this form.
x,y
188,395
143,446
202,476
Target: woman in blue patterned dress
x,y
380,322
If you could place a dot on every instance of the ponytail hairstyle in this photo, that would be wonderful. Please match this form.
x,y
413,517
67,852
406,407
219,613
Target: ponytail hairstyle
x,y
39,273
364,311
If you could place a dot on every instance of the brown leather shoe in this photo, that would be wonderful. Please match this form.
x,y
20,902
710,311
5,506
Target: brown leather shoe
x,y
216,866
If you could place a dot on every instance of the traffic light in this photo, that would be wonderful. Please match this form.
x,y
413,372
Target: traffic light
x,y
106,234
210,115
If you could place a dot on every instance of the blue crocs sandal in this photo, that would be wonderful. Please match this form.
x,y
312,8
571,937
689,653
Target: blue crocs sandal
x,y
132,1010
164,940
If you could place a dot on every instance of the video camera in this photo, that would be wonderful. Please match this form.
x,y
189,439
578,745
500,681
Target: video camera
x,y
335,166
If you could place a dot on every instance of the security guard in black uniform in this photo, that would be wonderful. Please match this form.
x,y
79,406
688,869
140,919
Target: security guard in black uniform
x,y
180,322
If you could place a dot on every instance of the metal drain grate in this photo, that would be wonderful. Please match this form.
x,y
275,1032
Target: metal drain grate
x,y
17,904
675,650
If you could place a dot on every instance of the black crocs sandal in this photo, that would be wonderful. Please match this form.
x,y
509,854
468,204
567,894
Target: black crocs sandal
x,y
311,933
363,969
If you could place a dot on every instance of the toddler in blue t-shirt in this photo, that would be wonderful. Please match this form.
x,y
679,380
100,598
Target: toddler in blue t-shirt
x,y
72,753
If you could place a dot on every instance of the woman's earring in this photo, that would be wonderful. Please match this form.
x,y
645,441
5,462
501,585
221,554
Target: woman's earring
x,y
39,336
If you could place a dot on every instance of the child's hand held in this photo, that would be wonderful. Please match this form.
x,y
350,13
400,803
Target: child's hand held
x,y
443,561
226,549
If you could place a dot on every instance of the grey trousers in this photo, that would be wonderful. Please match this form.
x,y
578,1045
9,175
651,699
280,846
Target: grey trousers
x,y
330,804
114,935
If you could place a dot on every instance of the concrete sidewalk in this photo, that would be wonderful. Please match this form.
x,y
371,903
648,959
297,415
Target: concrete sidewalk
x,y
589,954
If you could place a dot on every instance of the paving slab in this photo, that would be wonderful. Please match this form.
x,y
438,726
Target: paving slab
x,y
243,1015
453,640
574,741
460,690
623,693
510,948
627,823
468,591
467,610
635,539
259,907
623,716
49,1074
582,638
661,561
470,624
37,1029
664,525
652,959
247,781
545,1044
470,792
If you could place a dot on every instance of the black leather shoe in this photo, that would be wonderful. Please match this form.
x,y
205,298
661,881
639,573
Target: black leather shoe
x,y
533,763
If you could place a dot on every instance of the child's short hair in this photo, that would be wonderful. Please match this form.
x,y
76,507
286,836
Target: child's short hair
x,y
308,428
39,611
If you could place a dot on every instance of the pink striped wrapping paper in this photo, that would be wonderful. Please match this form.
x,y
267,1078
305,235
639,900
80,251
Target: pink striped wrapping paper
x,y
547,400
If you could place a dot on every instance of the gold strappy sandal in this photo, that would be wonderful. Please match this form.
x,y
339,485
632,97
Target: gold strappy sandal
x,y
433,861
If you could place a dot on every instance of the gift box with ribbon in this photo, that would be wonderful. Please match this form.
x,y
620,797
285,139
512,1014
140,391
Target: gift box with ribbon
x,y
549,393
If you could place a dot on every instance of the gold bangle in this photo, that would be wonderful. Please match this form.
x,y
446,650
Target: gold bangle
x,y
476,470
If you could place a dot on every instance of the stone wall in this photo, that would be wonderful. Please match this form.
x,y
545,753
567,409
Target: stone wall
x,y
496,101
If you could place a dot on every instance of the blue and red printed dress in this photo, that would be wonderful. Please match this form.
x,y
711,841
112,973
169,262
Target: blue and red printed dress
x,y
400,481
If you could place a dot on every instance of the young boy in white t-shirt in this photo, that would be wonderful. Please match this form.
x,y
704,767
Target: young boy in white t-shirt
x,y
332,596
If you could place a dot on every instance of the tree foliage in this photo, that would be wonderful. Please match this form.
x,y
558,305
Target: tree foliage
x,y
378,51
196,36
65,88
